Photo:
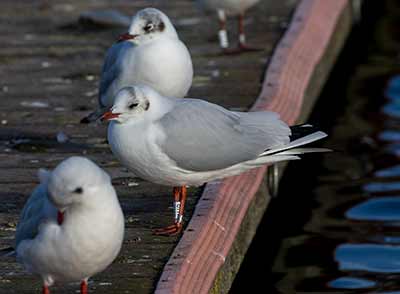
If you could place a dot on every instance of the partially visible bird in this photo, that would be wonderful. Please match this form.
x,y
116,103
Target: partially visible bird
x,y
179,142
72,226
151,54
226,8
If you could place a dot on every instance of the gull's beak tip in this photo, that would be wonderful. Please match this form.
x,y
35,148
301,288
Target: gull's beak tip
x,y
126,36
109,115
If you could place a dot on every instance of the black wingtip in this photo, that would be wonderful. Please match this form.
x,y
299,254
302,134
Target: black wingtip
x,y
299,131
8,251
85,120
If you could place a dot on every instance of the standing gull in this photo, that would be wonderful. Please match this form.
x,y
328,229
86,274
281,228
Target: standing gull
x,y
229,7
72,226
151,54
179,142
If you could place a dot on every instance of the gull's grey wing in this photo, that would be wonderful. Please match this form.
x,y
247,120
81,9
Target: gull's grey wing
x,y
35,211
201,136
112,68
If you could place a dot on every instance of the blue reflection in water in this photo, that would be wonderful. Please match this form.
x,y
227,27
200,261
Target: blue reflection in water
x,y
392,109
377,209
351,283
393,171
368,257
381,187
391,239
389,135
393,88
393,149
376,258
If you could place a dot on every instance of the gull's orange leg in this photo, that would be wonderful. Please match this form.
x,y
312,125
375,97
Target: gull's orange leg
x,y
84,287
180,195
181,211
45,289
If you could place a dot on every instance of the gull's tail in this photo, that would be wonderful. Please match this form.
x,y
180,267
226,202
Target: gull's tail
x,y
301,135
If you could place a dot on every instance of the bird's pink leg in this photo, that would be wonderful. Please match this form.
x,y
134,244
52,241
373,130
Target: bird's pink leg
x,y
84,287
45,289
180,195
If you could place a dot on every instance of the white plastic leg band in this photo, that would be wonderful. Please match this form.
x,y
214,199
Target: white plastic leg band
x,y
242,39
221,15
177,208
223,39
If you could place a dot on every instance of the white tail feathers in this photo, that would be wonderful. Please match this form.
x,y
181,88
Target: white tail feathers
x,y
290,149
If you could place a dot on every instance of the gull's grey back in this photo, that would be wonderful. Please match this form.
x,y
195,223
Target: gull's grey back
x,y
34,212
195,128
112,69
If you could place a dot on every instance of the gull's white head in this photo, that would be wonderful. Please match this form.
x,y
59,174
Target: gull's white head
x,y
132,103
149,24
75,180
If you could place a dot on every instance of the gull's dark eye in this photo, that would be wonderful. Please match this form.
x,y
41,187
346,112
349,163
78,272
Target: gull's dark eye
x,y
78,190
149,27
161,26
133,105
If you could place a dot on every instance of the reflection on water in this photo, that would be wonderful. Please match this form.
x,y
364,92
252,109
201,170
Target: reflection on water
x,y
378,211
373,258
392,171
376,187
392,110
352,237
390,136
335,227
385,209
351,283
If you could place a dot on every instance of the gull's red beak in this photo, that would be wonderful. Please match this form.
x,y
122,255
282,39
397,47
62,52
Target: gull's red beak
x,y
109,115
125,37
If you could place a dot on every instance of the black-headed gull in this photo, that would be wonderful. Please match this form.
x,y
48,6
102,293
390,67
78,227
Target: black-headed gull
x,y
179,142
230,7
72,226
151,54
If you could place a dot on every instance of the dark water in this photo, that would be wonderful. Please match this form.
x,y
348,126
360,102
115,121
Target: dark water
x,y
338,230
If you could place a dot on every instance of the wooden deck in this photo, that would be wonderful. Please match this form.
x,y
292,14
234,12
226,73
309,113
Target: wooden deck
x,y
49,69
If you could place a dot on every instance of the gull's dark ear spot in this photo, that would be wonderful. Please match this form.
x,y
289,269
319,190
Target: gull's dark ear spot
x,y
161,26
78,190
149,27
147,105
133,105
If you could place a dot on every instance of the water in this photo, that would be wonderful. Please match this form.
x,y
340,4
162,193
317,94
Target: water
x,y
339,230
